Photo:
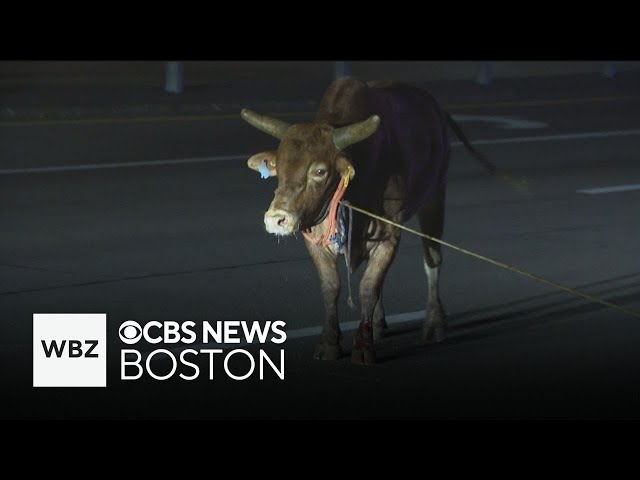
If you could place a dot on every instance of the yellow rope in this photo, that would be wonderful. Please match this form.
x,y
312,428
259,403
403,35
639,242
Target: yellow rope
x,y
495,262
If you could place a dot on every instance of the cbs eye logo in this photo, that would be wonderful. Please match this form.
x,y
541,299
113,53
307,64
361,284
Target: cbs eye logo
x,y
130,332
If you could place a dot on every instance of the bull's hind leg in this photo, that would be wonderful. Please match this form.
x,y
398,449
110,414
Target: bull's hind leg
x,y
380,260
431,218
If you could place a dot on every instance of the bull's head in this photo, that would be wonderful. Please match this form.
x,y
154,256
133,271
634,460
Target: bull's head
x,y
308,163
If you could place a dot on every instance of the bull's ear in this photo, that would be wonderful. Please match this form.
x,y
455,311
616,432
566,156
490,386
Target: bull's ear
x,y
263,162
344,166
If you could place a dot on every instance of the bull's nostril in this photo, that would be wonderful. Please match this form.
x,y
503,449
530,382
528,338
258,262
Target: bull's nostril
x,y
282,221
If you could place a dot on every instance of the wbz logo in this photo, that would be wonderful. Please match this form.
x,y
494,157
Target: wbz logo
x,y
69,350
75,348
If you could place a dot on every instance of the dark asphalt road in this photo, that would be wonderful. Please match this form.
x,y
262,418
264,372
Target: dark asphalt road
x,y
185,241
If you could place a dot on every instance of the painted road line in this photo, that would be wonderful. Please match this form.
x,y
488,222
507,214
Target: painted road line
x,y
504,123
349,326
178,161
102,166
550,138
542,103
616,188
149,119
236,116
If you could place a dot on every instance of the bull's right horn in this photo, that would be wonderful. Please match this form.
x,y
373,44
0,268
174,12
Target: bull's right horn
x,y
345,136
269,125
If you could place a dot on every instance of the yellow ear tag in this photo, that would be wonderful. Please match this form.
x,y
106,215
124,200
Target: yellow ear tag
x,y
347,177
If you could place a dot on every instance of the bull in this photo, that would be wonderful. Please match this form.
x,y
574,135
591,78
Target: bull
x,y
384,147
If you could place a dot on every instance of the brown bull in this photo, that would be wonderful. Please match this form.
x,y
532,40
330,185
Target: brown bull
x,y
383,147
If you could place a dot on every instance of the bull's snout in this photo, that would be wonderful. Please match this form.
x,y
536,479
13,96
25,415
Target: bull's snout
x,y
280,222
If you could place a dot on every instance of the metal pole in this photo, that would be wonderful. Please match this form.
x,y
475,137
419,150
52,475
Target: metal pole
x,y
609,70
174,77
340,69
484,74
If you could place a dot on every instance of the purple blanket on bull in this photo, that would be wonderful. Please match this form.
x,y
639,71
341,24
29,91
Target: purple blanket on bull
x,y
412,141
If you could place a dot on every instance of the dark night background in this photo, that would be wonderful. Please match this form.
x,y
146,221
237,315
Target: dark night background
x,y
173,230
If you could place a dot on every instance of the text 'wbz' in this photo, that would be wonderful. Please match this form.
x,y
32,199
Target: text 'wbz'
x,y
238,364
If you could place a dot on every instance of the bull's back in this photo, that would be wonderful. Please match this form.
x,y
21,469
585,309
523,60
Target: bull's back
x,y
412,140
418,139
410,116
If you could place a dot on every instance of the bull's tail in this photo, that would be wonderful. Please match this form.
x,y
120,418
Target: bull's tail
x,y
490,167
519,184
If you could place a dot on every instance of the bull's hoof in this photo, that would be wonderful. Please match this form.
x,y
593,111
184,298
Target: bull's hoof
x,y
433,334
363,356
327,351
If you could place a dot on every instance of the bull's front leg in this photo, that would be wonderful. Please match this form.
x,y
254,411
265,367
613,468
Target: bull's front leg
x,y
328,348
380,260
379,321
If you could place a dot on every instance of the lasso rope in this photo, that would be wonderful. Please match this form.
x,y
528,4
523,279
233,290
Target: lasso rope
x,y
497,263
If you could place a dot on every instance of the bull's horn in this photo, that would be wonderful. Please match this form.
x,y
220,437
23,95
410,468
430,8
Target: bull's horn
x,y
269,125
345,136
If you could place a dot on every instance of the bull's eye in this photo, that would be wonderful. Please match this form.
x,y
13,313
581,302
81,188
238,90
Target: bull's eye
x,y
320,172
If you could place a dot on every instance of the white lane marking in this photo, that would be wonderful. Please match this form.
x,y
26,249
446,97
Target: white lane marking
x,y
505,123
299,333
348,326
224,158
550,138
616,188
100,166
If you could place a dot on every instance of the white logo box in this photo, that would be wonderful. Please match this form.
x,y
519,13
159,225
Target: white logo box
x,y
75,359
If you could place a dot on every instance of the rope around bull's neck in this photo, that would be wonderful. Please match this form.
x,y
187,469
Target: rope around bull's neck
x,y
331,228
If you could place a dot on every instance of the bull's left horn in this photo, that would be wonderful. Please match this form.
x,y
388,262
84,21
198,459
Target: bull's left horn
x,y
269,125
345,136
